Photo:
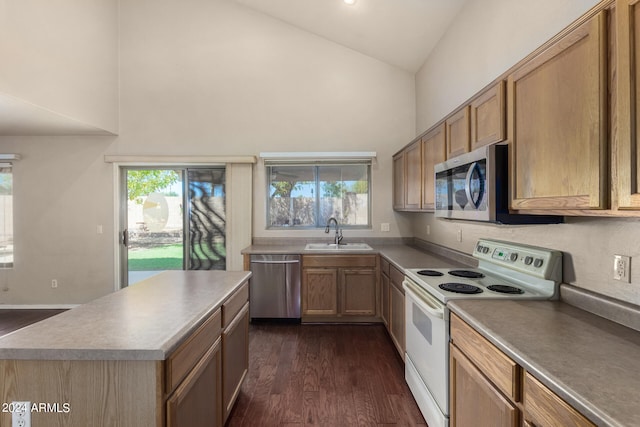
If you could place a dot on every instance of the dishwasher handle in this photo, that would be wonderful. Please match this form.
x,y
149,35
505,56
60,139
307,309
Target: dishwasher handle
x,y
294,261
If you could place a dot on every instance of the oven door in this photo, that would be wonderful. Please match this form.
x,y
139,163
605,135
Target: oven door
x,y
427,340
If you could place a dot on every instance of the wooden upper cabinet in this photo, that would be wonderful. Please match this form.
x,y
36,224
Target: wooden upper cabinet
x,y
413,176
433,152
625,150
488,124
458,133
398,181
558,123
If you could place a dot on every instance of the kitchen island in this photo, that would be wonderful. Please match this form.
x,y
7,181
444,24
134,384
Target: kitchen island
x,y
147,355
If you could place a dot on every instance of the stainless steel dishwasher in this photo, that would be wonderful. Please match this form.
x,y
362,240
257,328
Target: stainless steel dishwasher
x,y
275,287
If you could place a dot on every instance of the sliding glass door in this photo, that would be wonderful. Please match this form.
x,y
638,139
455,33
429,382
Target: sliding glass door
x,y
172,219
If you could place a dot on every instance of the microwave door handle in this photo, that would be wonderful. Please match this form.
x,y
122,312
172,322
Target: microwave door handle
x,y
467,185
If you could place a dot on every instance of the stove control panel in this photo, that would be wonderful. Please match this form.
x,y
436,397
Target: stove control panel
x,y
540,262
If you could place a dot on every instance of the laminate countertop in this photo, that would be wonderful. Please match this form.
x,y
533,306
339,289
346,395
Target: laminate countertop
x,y
589,361
402,256
145,321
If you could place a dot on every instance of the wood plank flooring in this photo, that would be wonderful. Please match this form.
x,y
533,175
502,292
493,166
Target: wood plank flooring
x,y
11,320
323,375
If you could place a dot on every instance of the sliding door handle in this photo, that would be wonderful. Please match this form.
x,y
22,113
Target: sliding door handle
x,y
125,237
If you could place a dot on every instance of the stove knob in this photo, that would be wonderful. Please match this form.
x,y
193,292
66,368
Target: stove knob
x,y
485,249
480,249
528,260
513,257
538,263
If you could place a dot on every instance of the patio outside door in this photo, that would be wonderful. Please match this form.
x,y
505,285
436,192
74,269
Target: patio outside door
x,y
172,219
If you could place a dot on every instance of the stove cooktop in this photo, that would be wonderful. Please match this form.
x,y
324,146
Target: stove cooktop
x,y
506,270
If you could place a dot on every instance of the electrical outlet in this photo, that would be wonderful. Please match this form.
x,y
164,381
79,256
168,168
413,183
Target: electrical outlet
x,y
622,268
21,414
54,283
384,226
459,235
428,229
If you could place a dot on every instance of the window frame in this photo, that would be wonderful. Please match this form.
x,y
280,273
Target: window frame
x,y
10,265
317,205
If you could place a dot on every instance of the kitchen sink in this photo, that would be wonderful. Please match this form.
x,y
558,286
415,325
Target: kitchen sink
x,y
340,247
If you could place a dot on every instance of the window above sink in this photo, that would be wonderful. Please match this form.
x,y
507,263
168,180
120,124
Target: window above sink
x,y
305,194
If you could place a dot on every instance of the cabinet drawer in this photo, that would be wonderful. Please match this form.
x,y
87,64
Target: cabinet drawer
x,y
499,369
397,277
234,304
384,266
181,361
337,261
542,407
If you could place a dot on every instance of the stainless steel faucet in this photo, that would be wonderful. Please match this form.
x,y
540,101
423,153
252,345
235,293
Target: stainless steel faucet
x,y
338,237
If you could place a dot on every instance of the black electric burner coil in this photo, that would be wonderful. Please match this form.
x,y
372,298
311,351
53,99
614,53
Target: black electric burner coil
x,y
505,289
460,288
468,274
431,273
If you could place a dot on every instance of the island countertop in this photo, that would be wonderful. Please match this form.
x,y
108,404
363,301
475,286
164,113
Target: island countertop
x,y
146,321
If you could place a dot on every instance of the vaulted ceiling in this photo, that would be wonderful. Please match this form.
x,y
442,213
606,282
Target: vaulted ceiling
x,y
399,32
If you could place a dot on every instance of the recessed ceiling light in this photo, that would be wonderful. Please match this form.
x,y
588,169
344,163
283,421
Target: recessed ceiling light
x,y
350,2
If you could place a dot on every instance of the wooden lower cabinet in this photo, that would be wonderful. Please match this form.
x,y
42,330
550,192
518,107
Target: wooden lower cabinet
x,y
196,401
542,407
385,284
475,401
235,359
396,310
340,287
320,291
487,388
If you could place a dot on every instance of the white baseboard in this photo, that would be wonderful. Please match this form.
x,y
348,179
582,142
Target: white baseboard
x,y
37,306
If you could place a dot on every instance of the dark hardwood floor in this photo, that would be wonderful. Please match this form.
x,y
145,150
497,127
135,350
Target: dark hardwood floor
x,y
11,320
323,375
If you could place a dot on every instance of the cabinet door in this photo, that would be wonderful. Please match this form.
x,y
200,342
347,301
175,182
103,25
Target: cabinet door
x,y
396,296
197,400
474,400
398,181
235,358
358,292
413,176
385,289
626,154
488,114
433,152
320,291
558,126
458,133
542,407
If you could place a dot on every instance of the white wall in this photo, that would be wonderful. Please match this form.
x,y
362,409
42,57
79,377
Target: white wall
x,y
248,83
60,63
198,77
487,38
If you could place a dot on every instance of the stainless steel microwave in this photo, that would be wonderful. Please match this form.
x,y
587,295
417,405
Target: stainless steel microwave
x,y
475,186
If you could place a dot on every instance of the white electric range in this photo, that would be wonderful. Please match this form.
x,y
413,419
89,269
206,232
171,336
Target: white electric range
x,y
505,271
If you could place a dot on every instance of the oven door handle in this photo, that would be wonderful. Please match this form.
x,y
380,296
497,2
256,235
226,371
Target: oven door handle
x,y
424,299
